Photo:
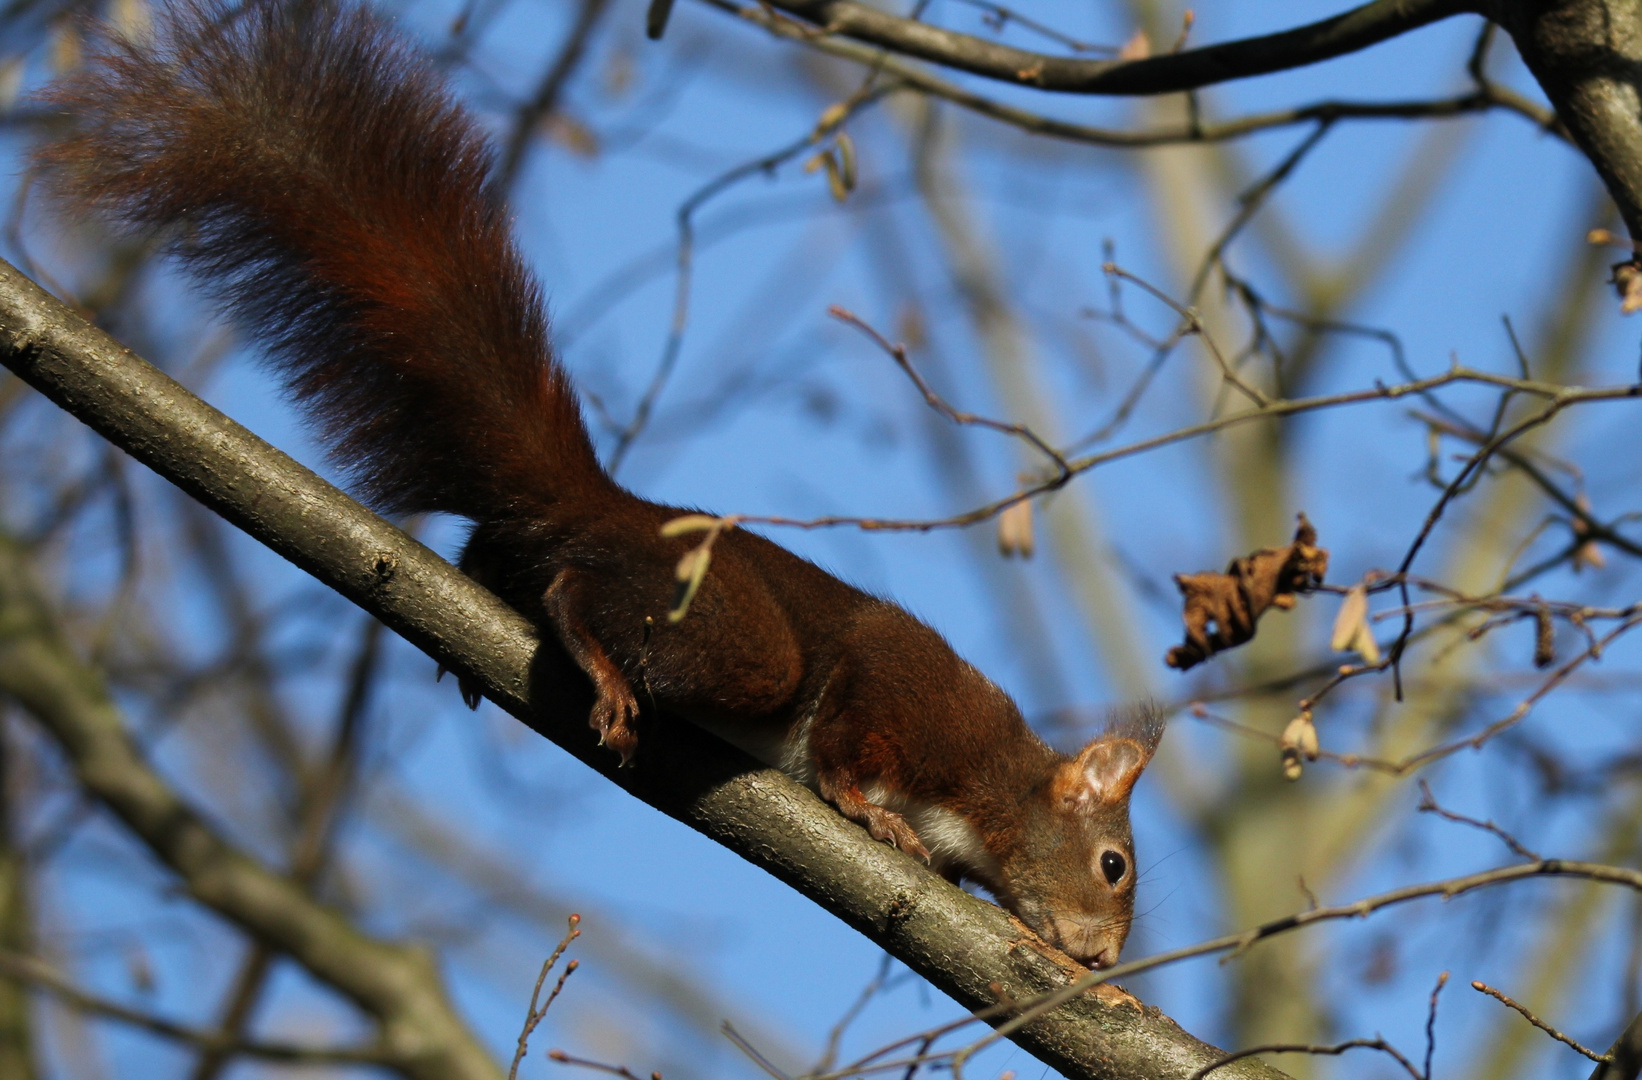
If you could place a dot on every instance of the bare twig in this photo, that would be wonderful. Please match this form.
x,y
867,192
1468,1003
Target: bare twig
x,y
685,259
1249,203
1557,397
1537,1022
545,100
875,985
1021,431
741,1043
534,1015
1194,322
1625,1054
597,1066
1332,1050
1431,1025
1428,804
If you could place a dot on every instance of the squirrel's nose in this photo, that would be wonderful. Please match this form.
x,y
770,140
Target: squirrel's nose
x,y
1104,959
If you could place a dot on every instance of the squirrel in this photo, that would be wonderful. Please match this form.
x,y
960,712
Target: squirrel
x,y
317,179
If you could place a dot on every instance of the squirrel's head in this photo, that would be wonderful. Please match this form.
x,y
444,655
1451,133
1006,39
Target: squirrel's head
x,y
1070,874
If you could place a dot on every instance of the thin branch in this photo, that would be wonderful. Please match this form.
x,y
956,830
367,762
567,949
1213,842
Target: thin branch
x,y
1249,203
1431,1025
1537,1022
1424,758
1194,321
1332,1050
34,972
546,98
741,1043
535,1015
316,824
597,1066
685,260
1558,398
1428,805
1625,1054
898,353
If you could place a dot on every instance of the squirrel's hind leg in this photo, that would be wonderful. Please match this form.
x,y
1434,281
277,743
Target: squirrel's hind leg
x,y
614,707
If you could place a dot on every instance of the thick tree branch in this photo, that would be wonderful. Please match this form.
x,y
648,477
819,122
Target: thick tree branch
x,y
1587,56
1625,1055
1486,96
1354,30
964,946
419,1031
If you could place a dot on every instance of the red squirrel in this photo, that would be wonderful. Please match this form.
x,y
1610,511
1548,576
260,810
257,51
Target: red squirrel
x,y
320,181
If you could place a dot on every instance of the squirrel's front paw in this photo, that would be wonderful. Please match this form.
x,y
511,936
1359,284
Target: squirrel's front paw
x,y
611,717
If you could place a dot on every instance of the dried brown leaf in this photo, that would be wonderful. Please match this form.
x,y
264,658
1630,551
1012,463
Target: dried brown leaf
x,y
1221,610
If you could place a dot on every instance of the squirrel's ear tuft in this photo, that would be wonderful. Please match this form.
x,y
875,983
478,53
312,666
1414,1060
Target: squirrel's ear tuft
x,y
1105,771
1142,723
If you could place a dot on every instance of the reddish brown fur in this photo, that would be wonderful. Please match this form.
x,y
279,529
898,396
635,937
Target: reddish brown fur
x,y
320,181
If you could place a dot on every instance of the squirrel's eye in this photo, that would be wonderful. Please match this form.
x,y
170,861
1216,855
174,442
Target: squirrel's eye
x,y
1113,865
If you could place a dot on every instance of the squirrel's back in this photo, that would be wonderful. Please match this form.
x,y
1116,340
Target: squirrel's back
x,y
317,178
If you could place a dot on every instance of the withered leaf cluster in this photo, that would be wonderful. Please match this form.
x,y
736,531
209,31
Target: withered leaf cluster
x,y
1221,610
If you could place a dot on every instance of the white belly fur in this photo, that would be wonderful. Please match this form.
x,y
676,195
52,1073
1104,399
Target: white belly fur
x,y
952,842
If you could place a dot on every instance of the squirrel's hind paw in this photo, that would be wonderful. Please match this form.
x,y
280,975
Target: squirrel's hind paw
x,y
891,827
611,717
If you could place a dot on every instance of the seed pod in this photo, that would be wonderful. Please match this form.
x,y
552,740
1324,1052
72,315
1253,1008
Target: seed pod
x,y
835,179
1544,639
831,117
1588,554
1353,615
1365,646
1015,531
846,159
691,569
1301,735
1291,763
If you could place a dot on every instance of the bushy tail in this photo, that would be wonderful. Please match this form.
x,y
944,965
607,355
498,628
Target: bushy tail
x,y
320,181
